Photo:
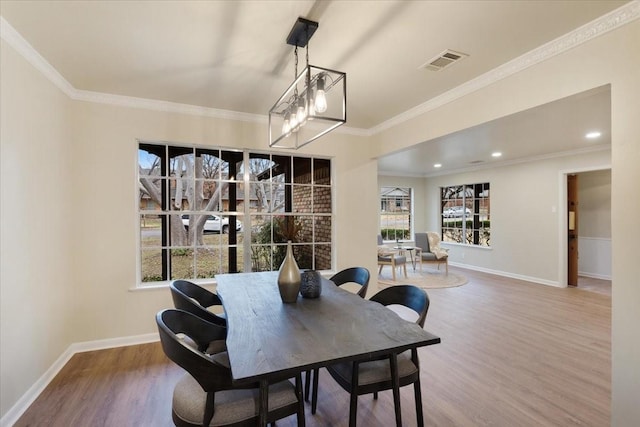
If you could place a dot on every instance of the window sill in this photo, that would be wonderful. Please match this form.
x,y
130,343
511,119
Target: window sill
x,y
206,283
466,245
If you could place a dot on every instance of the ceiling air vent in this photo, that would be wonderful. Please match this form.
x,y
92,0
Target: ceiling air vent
x,y
443,60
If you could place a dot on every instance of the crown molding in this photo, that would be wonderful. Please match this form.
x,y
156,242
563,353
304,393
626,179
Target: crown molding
x,y
15,40
614,19
611,21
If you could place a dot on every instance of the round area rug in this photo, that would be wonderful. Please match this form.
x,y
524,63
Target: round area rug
x,y
428,278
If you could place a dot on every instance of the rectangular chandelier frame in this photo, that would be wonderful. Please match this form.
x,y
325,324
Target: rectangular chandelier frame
x,y
301,94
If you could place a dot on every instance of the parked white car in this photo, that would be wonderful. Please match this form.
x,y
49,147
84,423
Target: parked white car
x,y
456,212
214,224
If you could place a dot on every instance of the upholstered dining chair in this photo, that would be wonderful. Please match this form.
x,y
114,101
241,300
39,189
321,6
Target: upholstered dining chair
x,y
359,276
427,252
205,395
195,299
386,256
375,376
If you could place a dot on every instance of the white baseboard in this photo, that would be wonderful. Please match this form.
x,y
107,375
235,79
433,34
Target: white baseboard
x,y
16,411
594,275
507,274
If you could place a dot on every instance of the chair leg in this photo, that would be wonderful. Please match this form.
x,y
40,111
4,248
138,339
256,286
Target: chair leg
x,y
307,385
353,403
393,272
395,380
380,269
314,396
375,395
405,269
418,394
446,264
300,415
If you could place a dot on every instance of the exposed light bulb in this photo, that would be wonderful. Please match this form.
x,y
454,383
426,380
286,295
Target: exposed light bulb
x,y
293,123
286,127
301,114
312,108
321,100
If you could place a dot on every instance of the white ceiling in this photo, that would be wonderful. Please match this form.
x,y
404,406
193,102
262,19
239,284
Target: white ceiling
x,y
232,55
553,129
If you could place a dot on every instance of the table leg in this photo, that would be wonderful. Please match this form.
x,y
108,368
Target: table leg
x,y
263,407
413,259
395,381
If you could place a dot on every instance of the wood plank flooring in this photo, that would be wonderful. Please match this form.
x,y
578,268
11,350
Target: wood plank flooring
x,y
512,354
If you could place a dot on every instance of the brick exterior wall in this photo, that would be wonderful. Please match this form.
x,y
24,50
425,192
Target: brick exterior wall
x,y
302,203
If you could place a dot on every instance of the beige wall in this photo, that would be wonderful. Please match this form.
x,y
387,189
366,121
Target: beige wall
x,y
68,280
38,301
526,216
612,58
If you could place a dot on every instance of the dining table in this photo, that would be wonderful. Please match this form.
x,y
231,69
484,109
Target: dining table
x,y
268,340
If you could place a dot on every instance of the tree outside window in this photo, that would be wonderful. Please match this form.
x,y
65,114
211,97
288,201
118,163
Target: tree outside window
x,y
201,214
396,209
465,214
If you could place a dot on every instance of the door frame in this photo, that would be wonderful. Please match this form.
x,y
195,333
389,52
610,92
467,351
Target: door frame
x,y
563,219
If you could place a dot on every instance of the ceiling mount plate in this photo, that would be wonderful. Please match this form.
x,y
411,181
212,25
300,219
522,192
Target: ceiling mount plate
x,y
301,32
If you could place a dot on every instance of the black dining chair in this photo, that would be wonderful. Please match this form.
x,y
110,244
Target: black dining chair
x,y
195,299
375,376
359,276
205,395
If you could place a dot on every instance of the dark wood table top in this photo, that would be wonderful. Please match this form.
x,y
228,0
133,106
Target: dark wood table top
x,y
267,338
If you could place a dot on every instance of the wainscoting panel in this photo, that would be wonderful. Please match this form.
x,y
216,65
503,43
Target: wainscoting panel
x,y
594,257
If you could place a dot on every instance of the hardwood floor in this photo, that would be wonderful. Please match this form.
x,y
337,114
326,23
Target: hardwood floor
x,y
591,284
512,354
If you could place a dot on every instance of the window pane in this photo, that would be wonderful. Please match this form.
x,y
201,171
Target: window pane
x,y
208,164
301,170
259,167
322,257
151,265
302,198
322,171
304,256
182,263
322,199
261,258
322,229
150,231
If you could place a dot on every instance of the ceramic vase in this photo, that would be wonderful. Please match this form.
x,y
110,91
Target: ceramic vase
x,y
289,277
311,284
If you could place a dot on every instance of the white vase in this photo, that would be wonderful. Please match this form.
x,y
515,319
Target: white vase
x,y
289,277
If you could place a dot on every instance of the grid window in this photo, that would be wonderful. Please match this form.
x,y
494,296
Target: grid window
x,y
209,211
465,214
396,209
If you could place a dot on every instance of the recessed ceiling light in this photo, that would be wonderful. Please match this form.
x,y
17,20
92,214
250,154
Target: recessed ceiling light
x,y
496,154
437,165
593,135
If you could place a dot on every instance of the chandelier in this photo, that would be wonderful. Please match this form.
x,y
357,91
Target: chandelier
x,y
314,104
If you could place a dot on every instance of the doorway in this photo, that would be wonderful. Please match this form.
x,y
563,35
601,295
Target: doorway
x,y
586,226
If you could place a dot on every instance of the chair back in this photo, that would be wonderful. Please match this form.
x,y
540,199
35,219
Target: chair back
x,y
359,275
409,296
210,375
380,241
190,297
422,241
